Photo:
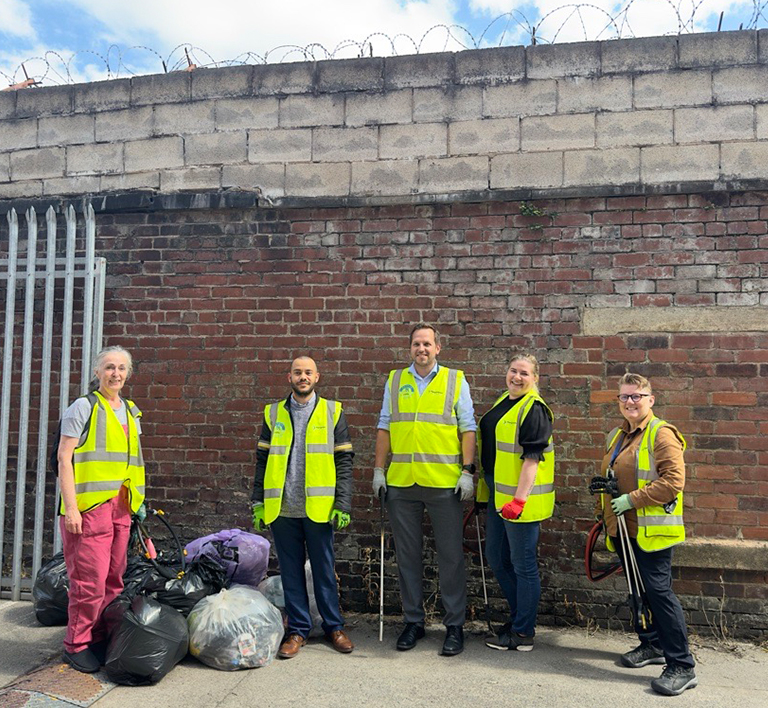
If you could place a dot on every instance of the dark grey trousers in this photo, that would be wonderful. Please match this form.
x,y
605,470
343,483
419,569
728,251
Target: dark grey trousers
x,y
406,507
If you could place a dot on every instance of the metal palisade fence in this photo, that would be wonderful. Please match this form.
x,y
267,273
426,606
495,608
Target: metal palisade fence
x,y
58,318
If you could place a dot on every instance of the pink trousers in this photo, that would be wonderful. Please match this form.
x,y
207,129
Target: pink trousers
x,y
96,561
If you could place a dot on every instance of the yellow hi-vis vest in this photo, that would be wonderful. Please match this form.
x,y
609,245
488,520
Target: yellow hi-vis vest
x,y
506,474
108,459
423,429
656,529
320,467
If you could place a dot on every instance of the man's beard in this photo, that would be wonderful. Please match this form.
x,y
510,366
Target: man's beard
x,y
303,394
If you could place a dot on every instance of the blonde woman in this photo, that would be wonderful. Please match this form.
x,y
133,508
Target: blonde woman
x,y
101,474
518,463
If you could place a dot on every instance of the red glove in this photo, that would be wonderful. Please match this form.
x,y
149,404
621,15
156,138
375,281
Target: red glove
x,y
512,510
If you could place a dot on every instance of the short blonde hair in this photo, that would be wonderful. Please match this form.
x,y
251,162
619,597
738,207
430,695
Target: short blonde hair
x,y
630,379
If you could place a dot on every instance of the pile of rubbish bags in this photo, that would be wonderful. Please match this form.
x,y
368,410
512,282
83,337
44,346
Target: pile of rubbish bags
x,y
213,609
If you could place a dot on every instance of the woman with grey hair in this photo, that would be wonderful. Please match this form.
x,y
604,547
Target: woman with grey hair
x,y
101,475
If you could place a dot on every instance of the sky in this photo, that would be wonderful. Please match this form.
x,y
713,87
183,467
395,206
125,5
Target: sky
x,y
65,41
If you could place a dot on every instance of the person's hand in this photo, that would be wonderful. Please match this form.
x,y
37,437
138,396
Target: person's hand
x,y
258,517
512,510
379,481
340,519
465,487
141,512
621,504
73,521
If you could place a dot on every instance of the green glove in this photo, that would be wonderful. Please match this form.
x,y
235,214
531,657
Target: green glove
x,y
258,517
141,512
340,519
621,504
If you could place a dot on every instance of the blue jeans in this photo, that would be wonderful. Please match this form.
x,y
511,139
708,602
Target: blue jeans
x,y
292,538
511,549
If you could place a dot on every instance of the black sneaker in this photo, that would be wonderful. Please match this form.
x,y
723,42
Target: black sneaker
x,y
409,636
83,661
507,640
642,655
674,680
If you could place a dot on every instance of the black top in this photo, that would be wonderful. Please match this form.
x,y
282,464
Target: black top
x,y
533,435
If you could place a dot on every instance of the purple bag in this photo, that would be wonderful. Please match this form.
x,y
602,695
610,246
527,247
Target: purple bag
x,y
243,555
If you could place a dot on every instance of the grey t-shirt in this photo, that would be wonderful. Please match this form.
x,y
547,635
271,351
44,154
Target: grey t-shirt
x,y
76,416
294,494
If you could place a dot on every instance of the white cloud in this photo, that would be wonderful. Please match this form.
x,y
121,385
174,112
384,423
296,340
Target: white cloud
x,y
16,19
232,27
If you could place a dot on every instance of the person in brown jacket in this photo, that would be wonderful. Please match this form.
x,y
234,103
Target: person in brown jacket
x,y
645,455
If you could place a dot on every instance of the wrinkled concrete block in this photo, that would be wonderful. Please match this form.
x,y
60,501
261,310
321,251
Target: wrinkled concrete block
x,y
366,74
65,130
379,108
747,84
641,54
131,124
345,144
679,163
268,179
715,124
563,132
102,96
184,118
154,154
215,148
7,104
161,88
5,168
533,170
673,89
46,101
744,160
80,186
18,134
221,82
305,111
329,179
385,177
21,190
409,141
417,70
591,167
478,137
580,94
129,182
101,158
190,178
283,79
38,164
245,113
634,128
489,67
451,103
453,174
280,145
545,61
761,114
524,98
717,49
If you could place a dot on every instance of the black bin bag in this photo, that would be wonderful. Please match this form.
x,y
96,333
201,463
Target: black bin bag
x,y
149,641
50,592
203,577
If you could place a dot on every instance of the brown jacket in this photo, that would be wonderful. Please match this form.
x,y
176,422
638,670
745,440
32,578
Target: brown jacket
x,y
668,453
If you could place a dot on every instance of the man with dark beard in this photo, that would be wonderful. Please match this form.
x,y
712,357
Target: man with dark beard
x,y
303,491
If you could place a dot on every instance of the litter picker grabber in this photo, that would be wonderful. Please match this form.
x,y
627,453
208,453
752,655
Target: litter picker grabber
x,y
476,513
381,568
638,601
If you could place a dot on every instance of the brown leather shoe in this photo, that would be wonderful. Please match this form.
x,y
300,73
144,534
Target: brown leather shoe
x,y
290,646
341,642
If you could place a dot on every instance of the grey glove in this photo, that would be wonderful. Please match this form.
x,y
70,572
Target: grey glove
x,y
379,481
465,487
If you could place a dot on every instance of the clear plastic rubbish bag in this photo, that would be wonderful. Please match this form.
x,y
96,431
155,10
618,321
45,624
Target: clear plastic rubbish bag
x,y
272,587
243,555
235,629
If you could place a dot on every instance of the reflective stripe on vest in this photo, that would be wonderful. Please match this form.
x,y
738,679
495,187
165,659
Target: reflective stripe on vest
x,y
423,429
108,459
506,474
320,467
656,529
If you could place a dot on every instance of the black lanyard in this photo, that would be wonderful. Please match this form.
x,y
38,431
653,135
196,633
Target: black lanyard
x,y
616,451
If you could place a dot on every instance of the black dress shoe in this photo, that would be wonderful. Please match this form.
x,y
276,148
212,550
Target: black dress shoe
x,y
409,636
83,660
454,641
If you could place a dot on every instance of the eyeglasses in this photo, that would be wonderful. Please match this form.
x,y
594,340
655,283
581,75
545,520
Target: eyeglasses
x,y
636,397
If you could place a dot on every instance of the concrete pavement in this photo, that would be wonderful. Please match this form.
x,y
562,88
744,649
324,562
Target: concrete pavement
x,y
568,667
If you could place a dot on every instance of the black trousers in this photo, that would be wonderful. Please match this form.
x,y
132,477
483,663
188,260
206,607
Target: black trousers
x,y
668,630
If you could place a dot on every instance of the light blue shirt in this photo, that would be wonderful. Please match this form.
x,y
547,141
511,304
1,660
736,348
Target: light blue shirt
x,y
464,408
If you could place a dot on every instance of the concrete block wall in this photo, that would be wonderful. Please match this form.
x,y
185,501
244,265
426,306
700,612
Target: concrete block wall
x,y
614,115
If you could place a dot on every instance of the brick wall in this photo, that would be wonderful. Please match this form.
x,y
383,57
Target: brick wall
x,y
215,303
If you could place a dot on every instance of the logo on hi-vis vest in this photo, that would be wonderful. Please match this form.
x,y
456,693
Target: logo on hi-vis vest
x,y
406,390
280,428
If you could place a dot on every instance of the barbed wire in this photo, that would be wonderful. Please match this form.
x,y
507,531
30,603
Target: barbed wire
x,y
591,21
